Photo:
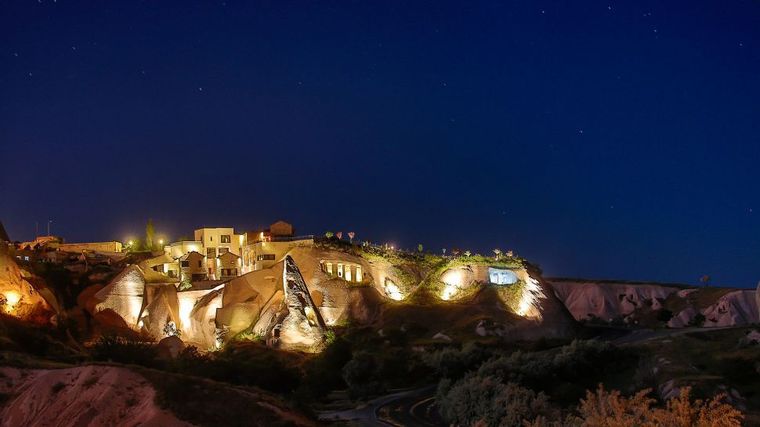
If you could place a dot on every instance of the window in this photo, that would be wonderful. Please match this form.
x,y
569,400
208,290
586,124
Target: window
x,y
223,251
229,272
348,273
329,268
211,253
359,277
225,238
501,276
265,257
200,263
185,263
340,270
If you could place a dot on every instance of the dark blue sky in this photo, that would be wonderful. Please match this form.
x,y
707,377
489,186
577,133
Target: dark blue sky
x,y
598,139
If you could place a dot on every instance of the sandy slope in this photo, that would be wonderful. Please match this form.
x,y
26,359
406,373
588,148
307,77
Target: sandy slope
x,y
81,396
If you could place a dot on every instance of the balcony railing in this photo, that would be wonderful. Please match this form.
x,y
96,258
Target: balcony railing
x,y
284,238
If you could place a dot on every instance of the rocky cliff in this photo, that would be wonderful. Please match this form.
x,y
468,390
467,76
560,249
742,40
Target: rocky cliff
x,y
652,304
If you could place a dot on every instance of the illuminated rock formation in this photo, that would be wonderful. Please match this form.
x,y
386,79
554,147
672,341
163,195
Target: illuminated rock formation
x,y
124,295
247,297
17,295
302,326
160,317
199,326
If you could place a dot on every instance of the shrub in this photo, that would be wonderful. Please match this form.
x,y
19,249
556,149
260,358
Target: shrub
x,y
58,387
698,320
608,408
125,350
488,402
361,375
451,362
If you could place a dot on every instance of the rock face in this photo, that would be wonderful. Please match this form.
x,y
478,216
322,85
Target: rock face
x,y
732,309
291,303
124,295
82,396
607,301
17,295
298,325
616,300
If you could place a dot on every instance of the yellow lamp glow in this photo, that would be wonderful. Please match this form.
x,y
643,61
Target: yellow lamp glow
x,y
448,292
185,308
11,299
532,293
392,290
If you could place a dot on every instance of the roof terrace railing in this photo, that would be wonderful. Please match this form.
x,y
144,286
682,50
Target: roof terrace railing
x,y
284,238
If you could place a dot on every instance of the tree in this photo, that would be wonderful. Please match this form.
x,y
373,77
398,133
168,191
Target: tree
x,y
497,253
467,253
705,280
339,235
351,235
487,401
150,233
419,247
329,234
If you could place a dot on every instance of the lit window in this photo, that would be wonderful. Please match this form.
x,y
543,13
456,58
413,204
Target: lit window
x,y
359,277
225,238
340,270
348,273
329,268
501,276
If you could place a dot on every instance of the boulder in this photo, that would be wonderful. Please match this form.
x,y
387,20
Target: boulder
x,y
170,347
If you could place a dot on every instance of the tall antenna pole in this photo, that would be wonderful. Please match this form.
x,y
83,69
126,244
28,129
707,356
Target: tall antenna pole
x,y
36,229
49,221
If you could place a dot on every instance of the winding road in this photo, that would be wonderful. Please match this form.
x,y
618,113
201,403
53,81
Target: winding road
x,y
414,407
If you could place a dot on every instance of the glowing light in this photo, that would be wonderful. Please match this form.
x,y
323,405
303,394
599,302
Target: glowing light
x,y
185,308
11,299
392,290
528,305
453,280
448,292
161,242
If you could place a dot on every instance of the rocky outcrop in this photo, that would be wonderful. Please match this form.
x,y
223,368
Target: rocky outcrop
x,y
732,309
17,295
82,396
123,295
299,324
708,306
607,301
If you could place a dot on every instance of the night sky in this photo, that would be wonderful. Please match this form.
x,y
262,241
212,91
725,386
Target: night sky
x,y
597,139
